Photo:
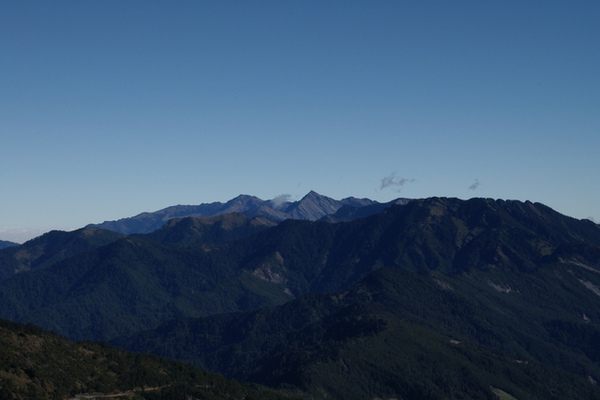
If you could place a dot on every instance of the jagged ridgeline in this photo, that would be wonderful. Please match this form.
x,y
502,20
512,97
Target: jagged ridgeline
x,y
311,207
383,304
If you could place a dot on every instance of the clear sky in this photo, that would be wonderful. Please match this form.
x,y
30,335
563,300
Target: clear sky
x,y
111,108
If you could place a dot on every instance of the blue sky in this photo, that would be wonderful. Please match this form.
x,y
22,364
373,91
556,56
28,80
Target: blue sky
x,y
112,108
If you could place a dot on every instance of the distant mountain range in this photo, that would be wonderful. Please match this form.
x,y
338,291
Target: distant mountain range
x,y
434,298
4,244
311,207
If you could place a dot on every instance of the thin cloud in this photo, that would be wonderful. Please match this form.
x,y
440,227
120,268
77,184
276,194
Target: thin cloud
x,y
280,200
394,181
475,185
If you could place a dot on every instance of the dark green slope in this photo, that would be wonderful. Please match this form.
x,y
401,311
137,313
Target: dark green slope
x,y
137,283
445,235
349,212
126,286
50,248
35,364
217,229
398,335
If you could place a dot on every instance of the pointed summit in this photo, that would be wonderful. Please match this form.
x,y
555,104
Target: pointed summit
x,y
313,206
312,194
242,203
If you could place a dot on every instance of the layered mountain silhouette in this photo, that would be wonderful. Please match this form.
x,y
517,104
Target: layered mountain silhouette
x,y
215,229
384,335
136,282
4,244
50,248
311,207
435,298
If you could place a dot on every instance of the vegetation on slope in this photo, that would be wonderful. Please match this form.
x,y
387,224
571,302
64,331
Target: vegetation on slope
x,y
509,291
136,283
51,248
217,229
35,364
395,335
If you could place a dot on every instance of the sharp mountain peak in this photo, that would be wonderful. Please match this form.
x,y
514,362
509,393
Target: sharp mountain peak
x,y
312,206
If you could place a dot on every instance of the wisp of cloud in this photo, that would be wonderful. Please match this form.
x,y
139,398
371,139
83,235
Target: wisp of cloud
x,y
280,200
475,185
393,180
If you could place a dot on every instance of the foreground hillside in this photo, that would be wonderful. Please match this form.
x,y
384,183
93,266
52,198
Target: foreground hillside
x,y
35,364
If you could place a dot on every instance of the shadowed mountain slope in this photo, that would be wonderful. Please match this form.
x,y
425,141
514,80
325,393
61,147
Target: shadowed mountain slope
x,y
136,283
216,229
35,364
401,334
446,235
128,285
348,213
4,244
50,248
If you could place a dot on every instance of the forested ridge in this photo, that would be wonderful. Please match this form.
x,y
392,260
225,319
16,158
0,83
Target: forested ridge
x,y
35,364
385,306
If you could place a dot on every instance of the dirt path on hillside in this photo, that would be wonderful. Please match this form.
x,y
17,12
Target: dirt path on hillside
x,y
92,396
